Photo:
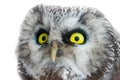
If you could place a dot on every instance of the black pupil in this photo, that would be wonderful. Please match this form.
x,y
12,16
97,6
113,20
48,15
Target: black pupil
x,y
43,38
76,38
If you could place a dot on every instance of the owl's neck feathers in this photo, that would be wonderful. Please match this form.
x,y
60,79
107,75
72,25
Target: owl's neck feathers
x,y
101,73
110,71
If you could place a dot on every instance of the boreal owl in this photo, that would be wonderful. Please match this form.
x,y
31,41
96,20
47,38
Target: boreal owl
x,y
68,43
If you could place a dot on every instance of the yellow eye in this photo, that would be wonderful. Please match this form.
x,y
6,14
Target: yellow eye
x,y
77,38
42,38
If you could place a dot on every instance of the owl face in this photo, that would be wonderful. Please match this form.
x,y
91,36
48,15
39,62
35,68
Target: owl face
x,y
63,41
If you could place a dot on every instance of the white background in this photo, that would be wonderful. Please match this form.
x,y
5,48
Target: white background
x,y
12,13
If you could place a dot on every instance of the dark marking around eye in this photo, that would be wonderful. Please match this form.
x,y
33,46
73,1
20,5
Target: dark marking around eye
x,y
40,31
66,36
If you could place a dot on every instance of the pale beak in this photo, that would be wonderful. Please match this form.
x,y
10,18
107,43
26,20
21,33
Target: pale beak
x,y
54,50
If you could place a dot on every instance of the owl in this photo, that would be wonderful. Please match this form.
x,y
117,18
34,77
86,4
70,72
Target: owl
x,y
68,43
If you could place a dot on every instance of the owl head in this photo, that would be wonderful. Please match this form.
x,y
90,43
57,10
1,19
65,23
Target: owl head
x,y
69,43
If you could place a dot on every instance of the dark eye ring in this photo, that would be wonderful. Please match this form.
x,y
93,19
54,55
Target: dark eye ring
x,y
41,36
76,36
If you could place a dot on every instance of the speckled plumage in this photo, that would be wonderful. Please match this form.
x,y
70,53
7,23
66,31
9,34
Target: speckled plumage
x,y
97,59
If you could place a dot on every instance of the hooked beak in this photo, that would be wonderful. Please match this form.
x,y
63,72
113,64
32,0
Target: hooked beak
x,y
54,49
